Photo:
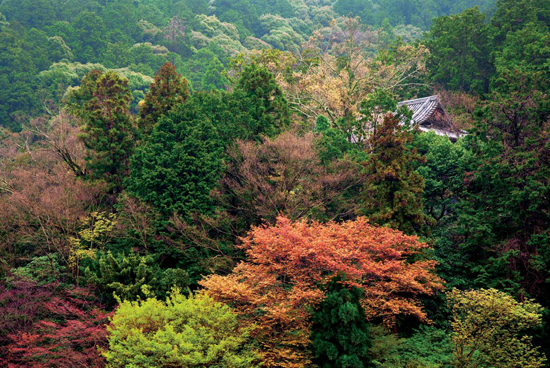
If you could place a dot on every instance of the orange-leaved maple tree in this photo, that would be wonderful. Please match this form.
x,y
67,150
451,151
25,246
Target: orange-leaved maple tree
x,y
279,283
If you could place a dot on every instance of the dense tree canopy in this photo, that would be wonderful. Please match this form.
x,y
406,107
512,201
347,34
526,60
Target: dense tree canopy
x,y
340,332
179,163
236,184
501,343
463,40
393,189
108,131
288,261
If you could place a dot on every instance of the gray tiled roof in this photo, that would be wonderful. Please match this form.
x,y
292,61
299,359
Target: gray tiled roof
x,y
422,108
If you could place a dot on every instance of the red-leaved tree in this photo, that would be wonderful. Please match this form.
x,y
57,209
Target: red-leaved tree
x,y
288,262
44,326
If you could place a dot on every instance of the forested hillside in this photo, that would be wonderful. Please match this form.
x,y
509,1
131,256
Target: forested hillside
x,y
49,45
233,183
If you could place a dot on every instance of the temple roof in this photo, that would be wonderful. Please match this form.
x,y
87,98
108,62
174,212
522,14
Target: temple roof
x,y
422,108
429,115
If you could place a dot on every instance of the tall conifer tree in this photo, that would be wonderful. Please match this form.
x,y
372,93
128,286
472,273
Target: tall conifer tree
x,y
108,131
168,90
340,337
393,188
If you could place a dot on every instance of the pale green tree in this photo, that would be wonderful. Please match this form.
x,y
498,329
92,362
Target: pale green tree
x,y
192,331
489,330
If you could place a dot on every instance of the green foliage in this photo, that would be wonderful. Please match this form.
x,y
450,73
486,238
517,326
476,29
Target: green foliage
x,y
181,160
500,237
96,233
392,194
178,165
503,216
523,54
460,51
108,131
197,65
488,194
265,102
35,14
379,103
428,347
196,36
359,8
214,77
78,98
418,13
513,15
333,143
192,331
66,74
89,37
442,171
514,42
42,270
168,90
339,333
489,330
22,54
245,13
131,276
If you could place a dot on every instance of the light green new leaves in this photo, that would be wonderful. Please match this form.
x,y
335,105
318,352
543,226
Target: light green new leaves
x,y
487,330
181,332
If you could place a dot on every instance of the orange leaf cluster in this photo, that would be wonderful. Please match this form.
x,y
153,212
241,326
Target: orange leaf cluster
x,y
288,262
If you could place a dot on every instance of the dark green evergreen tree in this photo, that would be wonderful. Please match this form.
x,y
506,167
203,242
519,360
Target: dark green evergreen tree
x,y
333,143
504,217
460,51
108,131
513,15
339,335
522,59
214,78
392,193
168,90
444,172
263,100
79,97
90,32
356,8
179,164
196,66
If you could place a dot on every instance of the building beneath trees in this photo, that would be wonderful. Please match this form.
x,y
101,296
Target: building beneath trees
x,y
429,115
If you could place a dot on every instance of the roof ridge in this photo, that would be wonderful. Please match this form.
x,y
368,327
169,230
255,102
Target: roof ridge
x,y
417,100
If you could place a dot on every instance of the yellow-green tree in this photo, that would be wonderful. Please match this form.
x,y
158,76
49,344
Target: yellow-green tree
x,y
192,331
489,330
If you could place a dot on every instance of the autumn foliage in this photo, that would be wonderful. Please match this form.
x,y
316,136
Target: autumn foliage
x,y
285,176
49,326
336,72
288,262
41,200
